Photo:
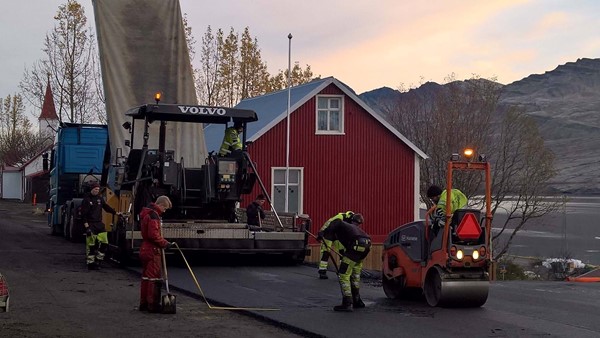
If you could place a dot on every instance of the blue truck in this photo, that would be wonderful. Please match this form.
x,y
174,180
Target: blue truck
x,y
76,160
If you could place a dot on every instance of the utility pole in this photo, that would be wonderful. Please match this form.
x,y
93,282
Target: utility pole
x,y
287,142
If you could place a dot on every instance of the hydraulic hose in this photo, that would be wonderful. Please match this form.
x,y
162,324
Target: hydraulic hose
x,y
206,300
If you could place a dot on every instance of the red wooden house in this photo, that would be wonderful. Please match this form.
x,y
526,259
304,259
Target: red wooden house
x,y
342,156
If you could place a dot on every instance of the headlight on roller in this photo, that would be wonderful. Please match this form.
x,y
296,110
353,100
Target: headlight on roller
x,y
459,254
475,254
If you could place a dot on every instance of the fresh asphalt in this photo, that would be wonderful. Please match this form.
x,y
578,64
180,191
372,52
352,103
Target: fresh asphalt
x,y
304,302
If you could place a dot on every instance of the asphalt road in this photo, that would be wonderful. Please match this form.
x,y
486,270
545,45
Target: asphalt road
x,y
513,309
52,294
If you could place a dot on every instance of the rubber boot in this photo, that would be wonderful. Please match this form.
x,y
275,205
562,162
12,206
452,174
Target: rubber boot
x,y
323,274
155,306
357,303
144,295
346,305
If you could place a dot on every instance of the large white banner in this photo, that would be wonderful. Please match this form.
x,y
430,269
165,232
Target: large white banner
x,y
143,51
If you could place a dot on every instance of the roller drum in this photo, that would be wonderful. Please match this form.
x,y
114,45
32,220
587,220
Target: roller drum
x,y
445,292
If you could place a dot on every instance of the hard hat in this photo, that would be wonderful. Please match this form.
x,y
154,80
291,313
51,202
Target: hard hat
x,y
94,185
238,125
433,191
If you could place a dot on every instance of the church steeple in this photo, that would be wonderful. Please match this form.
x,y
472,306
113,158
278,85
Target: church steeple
x,y
48,120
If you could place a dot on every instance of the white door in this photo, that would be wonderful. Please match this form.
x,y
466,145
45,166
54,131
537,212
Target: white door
x,y
12,185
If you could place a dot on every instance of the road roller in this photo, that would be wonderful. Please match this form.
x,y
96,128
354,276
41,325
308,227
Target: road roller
x,y
450,266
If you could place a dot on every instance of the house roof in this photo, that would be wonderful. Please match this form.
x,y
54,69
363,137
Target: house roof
x,y
39,154
48,108
272,109
9,168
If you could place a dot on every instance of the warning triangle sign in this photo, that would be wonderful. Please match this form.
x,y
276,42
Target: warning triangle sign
x,y
469,227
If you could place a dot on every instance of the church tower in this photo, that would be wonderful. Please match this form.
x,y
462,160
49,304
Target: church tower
x,y
48,120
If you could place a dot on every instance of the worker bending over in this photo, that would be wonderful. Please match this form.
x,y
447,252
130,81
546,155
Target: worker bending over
x,y
349,217
357,245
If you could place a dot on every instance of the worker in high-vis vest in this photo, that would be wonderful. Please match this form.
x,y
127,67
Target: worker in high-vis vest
x,y
96,239
231,139
439,198
326,245
357,245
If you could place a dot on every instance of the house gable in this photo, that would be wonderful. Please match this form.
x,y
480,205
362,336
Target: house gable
x,y
367,170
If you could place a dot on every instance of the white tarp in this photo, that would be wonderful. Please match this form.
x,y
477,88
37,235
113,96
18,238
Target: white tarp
x,y
143,51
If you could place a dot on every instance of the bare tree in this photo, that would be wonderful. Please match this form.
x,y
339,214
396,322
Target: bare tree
x,y
253,74
523,167
299,76
18,143
71,60
231,68
444,119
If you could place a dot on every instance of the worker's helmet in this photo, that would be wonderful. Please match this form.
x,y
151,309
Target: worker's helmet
x,y
433,191
357,219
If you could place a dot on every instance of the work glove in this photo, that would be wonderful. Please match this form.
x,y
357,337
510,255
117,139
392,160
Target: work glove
x,y
320,236
88,231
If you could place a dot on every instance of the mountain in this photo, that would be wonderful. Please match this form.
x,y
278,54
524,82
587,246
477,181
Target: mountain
x,y
565,103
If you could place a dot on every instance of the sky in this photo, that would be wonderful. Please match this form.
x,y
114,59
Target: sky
x,y
365,44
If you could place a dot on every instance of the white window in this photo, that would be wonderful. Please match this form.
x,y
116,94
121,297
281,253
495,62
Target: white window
x,y
295,183
330,114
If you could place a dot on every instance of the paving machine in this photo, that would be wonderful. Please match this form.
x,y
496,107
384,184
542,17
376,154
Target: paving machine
x,y
203,216
449,266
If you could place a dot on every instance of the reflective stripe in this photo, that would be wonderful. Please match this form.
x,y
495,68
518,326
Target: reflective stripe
x,y
152,279
361,244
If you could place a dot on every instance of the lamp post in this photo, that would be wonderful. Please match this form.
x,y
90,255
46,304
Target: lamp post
x,y
287,142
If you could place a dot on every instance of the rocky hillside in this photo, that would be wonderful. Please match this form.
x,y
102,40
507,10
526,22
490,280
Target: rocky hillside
x,y
565,102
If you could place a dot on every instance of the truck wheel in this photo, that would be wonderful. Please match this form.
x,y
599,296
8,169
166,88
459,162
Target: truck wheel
x,y
67,226
76,230
56,229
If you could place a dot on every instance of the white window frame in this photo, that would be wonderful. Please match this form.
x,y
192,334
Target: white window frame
x,y
299,185
342,114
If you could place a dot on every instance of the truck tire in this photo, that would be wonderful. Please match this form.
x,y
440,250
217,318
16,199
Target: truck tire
x,y
55,229
77,235
67,225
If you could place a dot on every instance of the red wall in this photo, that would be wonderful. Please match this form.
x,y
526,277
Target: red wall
x,y
367,170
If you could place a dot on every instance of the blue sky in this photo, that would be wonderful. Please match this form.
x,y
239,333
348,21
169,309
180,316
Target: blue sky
x,y
366,44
